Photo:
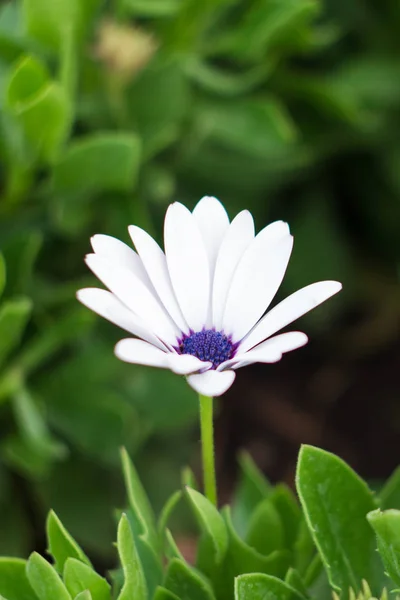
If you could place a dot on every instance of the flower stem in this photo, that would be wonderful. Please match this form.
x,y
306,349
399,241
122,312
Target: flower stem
x,y
207,447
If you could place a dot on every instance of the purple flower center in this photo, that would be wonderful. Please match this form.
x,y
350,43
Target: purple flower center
x,y
208,345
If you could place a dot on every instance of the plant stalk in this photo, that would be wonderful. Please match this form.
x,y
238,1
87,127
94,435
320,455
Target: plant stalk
x,y
207,448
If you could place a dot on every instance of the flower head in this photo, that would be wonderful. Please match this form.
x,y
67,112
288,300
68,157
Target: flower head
x,y
198,308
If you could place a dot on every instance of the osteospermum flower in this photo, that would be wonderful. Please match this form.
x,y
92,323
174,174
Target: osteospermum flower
x,y
198,308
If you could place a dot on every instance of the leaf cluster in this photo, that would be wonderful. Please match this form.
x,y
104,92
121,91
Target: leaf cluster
x,y
265,546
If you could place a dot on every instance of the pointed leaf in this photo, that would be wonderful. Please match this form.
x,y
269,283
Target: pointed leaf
x,y
134,579
265,529
14,584
211,523
79,577
86,595
336,501
61,544
167,510
387,528
44,579
256,586
2,274
186,582
14,315
252,488
101,161
162,593
294,579
289,511
389,496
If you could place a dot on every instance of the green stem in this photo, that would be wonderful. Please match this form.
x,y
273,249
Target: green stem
x,y
207,447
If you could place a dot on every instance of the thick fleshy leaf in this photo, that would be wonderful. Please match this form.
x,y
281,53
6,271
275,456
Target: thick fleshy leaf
x,y
253,487
187,264
79,577
44,579
236,240
14,584
61,544
186,582
14,315
215,535
256,586
257,279
2,274
141,511
39,106
134,579
81,168
387,528
389,495
162,593
289,511
294,579
336,502
265,532
85,595
212,383
291,308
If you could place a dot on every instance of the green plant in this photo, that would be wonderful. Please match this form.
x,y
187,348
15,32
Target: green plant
x,y
265,545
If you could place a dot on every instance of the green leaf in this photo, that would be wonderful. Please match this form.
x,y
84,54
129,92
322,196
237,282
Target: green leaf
x,y
51,23
79,577
186,582
14,584
387,528
40,106
259,127
335,502
134,579
256,586
265,532
294,579
150,8
85,595
44,579
211,523
389,496
142,513
3,274
162,593
14,315
99,162
62,545
253,487
167,510
289,511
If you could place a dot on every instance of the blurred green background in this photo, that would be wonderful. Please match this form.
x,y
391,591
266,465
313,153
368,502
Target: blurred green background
x,y
110,111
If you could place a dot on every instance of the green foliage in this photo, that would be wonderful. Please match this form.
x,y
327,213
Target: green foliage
x,y
334,507
288,108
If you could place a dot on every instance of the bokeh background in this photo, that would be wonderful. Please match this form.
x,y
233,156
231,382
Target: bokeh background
x,y
110,111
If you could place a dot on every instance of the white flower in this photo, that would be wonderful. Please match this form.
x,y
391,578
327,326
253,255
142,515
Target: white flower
x,y
198,308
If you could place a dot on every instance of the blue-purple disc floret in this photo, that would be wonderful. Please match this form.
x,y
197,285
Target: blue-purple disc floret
x,y
208,345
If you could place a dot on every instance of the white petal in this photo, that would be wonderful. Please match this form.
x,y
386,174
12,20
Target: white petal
x,y
184,364
135,295
119,253
106,305
212,383
140,353
257,279
187,264
269,351
155,263
213,221
290,309
235,242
